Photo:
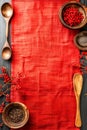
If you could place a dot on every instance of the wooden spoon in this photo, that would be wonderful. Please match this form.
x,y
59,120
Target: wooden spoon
x,y
77,83
7,12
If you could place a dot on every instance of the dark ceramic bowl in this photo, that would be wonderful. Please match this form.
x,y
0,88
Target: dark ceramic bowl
x,y
15,115
80,40
81,9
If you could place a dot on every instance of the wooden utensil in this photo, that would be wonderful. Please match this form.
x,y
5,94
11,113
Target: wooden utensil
x,y
77,83
7,12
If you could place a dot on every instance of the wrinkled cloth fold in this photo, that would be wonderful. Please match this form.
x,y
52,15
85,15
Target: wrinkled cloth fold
x,y
45,54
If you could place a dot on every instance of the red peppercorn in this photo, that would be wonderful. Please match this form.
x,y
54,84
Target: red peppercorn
x,y
72,16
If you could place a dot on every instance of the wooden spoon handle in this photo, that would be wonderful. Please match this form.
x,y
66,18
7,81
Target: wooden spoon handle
x,y
78,122
7,22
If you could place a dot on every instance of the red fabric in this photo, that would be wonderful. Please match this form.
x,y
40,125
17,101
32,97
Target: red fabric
x,y
44,52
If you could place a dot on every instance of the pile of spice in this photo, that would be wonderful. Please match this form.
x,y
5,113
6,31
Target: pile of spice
x,y
72,16
16,114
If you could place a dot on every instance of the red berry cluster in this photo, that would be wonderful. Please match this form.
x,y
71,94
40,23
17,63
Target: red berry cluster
x,y
83,63
2,107
6,81
72,16
5,75
7,98
6,78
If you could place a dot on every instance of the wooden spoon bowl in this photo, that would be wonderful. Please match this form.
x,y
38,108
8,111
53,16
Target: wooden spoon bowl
x,y
6,53
7,10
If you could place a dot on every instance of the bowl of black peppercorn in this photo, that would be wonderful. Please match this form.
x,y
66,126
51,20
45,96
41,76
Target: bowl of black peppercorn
x,y
15,115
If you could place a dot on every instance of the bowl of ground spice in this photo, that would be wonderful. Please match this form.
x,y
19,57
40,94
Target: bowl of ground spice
x,y
73,15
80,40
15,115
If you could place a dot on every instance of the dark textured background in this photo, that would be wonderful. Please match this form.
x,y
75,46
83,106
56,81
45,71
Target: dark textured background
x,y
2,40
83,97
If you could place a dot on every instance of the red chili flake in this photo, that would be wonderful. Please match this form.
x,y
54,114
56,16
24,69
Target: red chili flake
x,y
72,16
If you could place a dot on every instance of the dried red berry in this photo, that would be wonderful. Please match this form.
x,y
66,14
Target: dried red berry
x,y
72,16
7,98
3,69
6,77
1,109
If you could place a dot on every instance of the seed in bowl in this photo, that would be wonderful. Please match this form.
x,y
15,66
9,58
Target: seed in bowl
x,y
72,16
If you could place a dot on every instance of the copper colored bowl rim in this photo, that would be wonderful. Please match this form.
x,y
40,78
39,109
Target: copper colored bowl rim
x,y
72,3
12,124
83,33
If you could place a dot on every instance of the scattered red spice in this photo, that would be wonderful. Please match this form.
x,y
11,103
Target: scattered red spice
x,y
6,81
72,16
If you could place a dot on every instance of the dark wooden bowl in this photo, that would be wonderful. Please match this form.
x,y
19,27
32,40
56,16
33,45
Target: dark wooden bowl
x,y
15,115
81,9
80,40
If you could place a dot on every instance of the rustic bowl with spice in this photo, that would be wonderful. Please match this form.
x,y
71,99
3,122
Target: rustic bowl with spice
x,y
80,40
73,15
15,115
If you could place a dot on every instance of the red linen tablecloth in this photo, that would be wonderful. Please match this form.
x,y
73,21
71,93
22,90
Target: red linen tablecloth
x,y
45,54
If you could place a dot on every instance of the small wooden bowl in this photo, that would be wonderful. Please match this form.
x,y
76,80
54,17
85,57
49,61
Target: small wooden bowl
x,y
15,115
80,40
81,9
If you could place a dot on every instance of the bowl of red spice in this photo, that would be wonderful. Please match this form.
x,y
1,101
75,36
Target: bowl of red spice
x,y
73,15
15,115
